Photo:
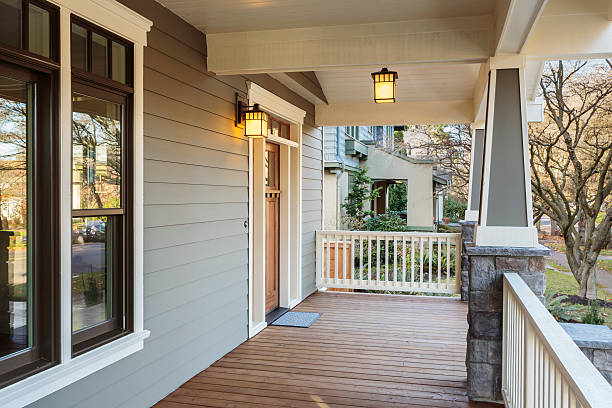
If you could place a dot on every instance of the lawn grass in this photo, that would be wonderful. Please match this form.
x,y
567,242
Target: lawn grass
x,y
560,246
560,283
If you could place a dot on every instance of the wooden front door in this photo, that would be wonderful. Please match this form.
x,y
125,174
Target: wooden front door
x,y
272,175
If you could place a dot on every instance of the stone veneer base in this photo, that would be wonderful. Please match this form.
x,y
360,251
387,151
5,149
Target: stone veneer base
x,y
485,269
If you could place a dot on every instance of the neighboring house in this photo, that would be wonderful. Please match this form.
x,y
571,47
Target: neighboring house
x,y
347,148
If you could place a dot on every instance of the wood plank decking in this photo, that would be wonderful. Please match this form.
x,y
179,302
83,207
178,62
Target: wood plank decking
x,y
364,351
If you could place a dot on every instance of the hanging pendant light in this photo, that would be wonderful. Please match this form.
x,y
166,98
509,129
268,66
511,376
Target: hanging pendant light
x,y
384,86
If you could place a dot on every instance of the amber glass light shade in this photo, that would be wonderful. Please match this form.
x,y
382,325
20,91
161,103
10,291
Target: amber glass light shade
x,y
256,123
384,86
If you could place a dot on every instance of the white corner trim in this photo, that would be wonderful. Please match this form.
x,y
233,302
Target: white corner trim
x,y
521,237
111,15
46,382
275,104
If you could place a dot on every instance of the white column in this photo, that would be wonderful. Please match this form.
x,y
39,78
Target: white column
x,y
506,216
478,136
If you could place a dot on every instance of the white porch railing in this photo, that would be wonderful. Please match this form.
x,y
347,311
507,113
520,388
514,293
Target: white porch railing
x,y
542,366
390,261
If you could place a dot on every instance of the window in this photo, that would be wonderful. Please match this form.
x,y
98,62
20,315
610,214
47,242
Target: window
x,y
30,25
28,237
91,228
278,128
95,51
101,196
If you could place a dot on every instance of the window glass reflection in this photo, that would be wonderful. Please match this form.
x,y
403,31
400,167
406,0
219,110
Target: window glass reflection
x,y
78,47
15,288
91,273
99,55
119,62
10,22
96,153
39,31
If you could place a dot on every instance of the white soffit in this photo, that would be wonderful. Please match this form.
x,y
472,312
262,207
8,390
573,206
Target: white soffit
x,y
226,16
418,82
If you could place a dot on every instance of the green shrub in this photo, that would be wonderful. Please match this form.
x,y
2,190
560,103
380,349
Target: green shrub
x,y
454,209
593,314
559,309
385,222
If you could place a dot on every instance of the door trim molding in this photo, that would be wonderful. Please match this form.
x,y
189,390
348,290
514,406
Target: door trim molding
x,y
290,257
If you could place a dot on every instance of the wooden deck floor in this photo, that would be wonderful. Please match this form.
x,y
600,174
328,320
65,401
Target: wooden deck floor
x,y
364,351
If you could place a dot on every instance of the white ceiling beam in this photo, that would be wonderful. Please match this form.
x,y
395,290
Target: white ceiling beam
x,y
465,39
399,113
572,34
301,84
515,21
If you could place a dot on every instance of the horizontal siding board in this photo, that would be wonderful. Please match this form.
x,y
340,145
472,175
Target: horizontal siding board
x,y
169,278
169,257
179,91
173,131
163,63
161,215
159,149
162,193
193,291
170,236
168,172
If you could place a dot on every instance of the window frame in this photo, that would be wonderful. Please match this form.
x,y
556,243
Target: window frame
x,y
87,75
121,324
45,211
69,368
54,40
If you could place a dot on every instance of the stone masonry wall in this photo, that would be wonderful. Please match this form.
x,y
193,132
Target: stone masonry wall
x,y
467,237
486,267
595,341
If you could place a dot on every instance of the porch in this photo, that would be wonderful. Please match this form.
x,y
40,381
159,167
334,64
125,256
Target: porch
x,y
365,350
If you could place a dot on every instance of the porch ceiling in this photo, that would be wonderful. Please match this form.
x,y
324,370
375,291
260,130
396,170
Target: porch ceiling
x,y
324,50
227,16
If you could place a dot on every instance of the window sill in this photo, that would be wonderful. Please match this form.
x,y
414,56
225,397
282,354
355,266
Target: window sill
x,y
46,382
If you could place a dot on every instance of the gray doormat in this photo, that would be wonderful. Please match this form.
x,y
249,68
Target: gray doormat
x,y
296,319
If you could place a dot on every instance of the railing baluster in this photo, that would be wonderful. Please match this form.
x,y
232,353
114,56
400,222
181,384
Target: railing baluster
x,y
421,254
369,261
336,259
395,260
448,259
439,259
412,261
386,260
429,266
352,260
344,258
377,261
403,254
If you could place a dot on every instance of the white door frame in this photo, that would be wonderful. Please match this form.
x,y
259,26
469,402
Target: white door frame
x,y
290,259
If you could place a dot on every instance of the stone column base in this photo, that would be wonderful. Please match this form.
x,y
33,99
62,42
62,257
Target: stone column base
x,y
486,267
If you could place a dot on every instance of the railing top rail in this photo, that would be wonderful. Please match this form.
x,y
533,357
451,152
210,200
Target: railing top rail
x,y
391,233
584,378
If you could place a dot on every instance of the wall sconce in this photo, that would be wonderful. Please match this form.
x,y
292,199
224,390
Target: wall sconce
x,y
252,119
384,86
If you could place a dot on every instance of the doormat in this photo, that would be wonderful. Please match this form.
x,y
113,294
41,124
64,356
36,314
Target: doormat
x,y
296,319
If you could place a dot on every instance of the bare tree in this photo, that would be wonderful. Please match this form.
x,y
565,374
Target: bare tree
x,y
570,155
448,145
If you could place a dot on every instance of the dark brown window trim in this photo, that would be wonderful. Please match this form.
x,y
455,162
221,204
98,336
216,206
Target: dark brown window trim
x,y
45,209
90,84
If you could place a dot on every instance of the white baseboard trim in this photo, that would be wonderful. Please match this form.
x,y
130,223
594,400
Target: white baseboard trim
x,y
257,328
520,237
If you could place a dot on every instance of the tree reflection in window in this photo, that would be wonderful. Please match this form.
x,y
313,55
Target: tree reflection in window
x,y
96,151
